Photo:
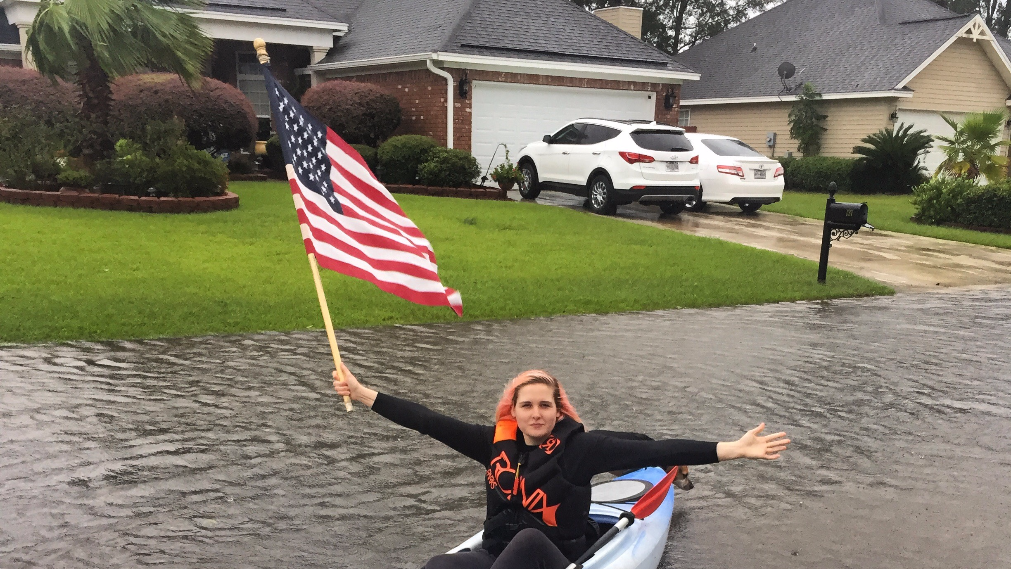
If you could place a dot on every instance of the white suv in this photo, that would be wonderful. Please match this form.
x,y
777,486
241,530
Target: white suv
x,y
614,163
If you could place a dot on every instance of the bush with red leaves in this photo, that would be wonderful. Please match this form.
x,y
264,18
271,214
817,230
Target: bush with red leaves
x,y
40,97
359,112
217,116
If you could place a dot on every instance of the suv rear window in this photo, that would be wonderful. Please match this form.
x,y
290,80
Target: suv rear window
x,y
661,140
731,147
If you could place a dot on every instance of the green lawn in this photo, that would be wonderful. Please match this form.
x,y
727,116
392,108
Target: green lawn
x,y
890,213
87,274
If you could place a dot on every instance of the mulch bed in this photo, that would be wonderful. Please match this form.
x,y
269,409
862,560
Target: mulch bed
x,y
476,193
68,197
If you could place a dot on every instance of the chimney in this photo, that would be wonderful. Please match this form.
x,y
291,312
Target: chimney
x,y
625,17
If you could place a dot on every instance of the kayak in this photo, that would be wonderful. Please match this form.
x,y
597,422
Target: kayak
x,y
638,546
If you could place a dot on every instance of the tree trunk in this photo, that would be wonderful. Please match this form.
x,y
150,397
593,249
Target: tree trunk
x,y
96,106
679,21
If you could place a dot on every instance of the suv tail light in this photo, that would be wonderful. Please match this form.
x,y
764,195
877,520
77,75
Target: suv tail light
x,y
694,160
779,172
732,170
635,157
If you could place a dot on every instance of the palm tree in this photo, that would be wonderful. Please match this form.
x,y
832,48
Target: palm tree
x,y
890,159
93,42
973,149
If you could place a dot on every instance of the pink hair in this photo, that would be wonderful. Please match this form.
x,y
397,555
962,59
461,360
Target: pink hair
x,y
534,376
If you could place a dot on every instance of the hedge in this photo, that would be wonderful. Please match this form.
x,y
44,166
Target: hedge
x,y
401,156
945,200
448,168
815,173
217,116
44,100
368,154
360,113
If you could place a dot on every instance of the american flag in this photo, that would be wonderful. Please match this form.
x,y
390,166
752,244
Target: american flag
x,y
348,219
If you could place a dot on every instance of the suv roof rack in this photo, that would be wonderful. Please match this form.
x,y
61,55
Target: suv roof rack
x,y
623,121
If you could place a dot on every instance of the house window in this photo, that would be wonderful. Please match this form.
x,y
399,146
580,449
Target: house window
x,y
684,117
249,80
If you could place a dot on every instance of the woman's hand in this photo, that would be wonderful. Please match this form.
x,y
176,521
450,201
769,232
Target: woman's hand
x,y
352,388
751,445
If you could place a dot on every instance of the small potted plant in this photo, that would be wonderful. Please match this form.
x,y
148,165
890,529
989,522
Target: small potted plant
x,y
506,174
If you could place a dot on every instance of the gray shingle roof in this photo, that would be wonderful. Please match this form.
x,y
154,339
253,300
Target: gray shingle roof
x,y
841,46
549,30
286,9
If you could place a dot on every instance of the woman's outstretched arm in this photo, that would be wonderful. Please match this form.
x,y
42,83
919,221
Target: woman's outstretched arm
x,y
752,445
595,452
472,441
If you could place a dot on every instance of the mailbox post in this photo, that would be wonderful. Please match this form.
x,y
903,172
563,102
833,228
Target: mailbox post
x,y
842,220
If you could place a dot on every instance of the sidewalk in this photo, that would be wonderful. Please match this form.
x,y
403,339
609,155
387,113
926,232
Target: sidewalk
x,y
907,263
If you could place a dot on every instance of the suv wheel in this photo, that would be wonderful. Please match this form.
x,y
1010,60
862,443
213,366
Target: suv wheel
x,y
697,205
529,187
749,207
602,195
672,208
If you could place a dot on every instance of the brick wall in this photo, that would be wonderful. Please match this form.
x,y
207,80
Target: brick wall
x,y
422,96
10,63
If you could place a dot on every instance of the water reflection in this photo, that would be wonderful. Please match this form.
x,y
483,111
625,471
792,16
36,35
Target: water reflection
x,y
233,452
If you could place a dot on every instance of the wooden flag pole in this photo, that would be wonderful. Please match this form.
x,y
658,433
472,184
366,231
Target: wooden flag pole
x,y
329,326
261,53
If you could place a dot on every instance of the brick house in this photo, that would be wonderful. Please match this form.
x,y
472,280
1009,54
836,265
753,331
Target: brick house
x,y
492,72
470,73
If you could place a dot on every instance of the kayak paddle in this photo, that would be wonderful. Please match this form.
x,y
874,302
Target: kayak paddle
x,y
646,505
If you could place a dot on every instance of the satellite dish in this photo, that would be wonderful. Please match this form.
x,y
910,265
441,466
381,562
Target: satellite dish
x,y
786,70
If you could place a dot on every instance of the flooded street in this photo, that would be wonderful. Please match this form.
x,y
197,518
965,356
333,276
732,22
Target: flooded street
x,y
233,451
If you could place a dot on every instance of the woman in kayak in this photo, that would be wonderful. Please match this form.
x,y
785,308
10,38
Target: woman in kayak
x,y
539,461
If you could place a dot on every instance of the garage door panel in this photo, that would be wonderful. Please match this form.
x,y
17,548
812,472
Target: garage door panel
x,y
517,114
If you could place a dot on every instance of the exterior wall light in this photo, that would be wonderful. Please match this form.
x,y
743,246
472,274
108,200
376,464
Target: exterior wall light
x,y
669,99
464,86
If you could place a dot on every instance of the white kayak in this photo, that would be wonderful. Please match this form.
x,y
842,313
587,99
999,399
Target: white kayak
x,y
638,546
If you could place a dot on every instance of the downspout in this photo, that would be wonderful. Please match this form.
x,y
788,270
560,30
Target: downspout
x,y
449,100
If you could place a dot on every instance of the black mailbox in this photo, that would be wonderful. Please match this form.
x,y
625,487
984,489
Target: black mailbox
x,y
842,215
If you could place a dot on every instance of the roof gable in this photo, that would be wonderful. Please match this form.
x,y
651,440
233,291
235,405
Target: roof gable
x,y
841,46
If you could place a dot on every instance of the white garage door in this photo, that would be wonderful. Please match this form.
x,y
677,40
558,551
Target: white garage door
x,y
931,122
520,114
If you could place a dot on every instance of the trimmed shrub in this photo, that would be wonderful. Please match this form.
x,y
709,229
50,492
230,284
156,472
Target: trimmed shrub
x,y
29,151
241,164
217,116
274,159
132,172
191,173
815,173
368,154
400,157
986,206
182,172
76,178
359,113
54,103
449,168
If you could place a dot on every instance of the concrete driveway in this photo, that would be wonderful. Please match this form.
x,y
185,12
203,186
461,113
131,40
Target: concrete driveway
x,y
904,262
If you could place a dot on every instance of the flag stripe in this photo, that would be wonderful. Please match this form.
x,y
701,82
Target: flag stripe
x,y
347,218
362,231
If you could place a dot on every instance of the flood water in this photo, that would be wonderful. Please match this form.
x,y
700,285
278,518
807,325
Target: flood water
x,y
233,451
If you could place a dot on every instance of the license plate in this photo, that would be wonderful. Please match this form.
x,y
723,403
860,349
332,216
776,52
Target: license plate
x,y
759,174
672,166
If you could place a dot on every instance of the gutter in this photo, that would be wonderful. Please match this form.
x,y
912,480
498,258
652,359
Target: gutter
x,y
449,99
